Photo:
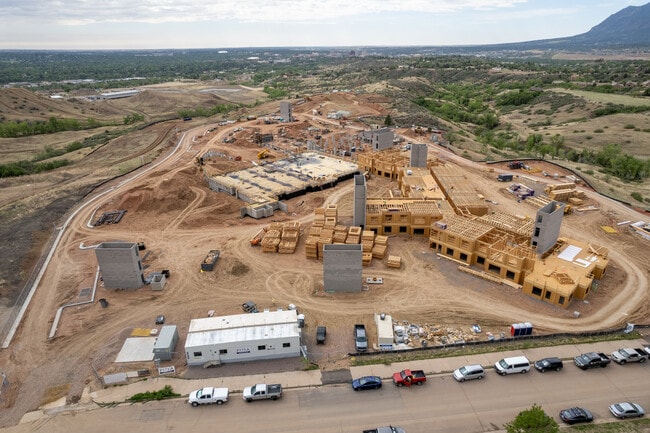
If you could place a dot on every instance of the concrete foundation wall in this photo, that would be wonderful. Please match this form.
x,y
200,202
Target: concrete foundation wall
x,y
342,267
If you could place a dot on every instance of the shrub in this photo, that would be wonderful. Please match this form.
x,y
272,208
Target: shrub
x,y
166,392
636,196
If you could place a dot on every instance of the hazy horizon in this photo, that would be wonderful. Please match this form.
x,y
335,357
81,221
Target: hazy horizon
x,y
191,24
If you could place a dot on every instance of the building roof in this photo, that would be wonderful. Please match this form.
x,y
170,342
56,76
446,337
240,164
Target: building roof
x,y
265,318
243,335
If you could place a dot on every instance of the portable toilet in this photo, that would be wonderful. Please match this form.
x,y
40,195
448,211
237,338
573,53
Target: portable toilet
x,y
165,344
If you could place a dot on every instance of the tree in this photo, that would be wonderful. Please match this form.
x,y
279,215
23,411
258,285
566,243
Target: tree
x,y
533,420
388,121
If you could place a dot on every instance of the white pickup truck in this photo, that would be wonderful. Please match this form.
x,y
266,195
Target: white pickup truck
x,y
262,391
208,395
629,354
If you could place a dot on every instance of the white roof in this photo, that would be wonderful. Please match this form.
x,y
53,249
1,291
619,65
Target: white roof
x,y
243,321
242,335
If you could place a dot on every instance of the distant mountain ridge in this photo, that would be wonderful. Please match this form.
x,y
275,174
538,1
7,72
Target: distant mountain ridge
x,y
627,28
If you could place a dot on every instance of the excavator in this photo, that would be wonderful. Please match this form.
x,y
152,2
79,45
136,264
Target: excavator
x,y
263,154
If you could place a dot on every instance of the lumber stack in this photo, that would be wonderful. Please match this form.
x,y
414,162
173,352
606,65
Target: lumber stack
x,y
340,234
354,235
289,238
319,217
311,247
367,241
271,241
394,262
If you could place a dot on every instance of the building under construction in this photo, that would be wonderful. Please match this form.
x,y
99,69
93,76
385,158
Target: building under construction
x,y
439,202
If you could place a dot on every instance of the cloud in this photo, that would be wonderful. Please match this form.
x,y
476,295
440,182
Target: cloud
x,y
84,12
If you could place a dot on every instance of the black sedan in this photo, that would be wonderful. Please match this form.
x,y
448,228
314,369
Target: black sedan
x,y
575,415
366,382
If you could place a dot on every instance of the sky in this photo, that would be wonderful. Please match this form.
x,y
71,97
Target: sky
x,y
159,24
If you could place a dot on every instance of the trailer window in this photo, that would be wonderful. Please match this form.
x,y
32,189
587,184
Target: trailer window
x,y
286,344
198,354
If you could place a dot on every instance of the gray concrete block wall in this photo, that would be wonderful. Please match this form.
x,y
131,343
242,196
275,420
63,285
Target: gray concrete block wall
x,y
120,265
546,230
342,268
360,193
418,155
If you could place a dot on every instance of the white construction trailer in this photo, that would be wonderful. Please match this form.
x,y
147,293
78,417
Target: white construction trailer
x,y
243,337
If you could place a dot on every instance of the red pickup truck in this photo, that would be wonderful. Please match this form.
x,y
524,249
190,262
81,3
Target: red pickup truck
x,y
409,377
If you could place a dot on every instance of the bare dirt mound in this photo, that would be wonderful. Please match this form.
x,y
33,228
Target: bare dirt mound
x,y
18,104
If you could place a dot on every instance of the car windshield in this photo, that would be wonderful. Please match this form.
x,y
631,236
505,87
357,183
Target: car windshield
x,y
365,380
545,363
463,371
503,364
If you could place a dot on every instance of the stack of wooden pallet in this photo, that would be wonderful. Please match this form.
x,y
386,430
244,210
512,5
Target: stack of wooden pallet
x,y
380,247
394,262
354,235
366,258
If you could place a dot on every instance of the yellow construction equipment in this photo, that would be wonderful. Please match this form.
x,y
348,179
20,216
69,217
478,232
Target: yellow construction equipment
x,y
263,154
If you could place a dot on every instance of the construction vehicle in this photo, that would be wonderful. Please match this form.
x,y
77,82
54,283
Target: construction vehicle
x,y
257,239
263,154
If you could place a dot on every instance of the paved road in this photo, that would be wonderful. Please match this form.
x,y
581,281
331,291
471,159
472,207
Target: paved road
x,y
441,405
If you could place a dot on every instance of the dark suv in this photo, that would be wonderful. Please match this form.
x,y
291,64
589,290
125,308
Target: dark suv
x,y
545,364
321,334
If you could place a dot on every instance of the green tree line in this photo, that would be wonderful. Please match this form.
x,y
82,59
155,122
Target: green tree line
x,y
53,124
207,112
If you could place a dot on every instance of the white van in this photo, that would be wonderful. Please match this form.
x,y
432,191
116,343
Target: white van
x,y
515,364
469,372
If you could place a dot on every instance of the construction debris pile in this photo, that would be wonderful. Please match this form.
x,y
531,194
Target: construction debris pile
x,y
412,335
281,237
112,217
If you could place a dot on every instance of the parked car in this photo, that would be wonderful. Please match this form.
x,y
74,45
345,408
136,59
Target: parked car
x,y
321,334
545,364
409,377
387,429
576,415
469,372
626,410
366,382
515,364
592,360
208,395
160,320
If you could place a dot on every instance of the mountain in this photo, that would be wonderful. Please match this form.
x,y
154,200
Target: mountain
x,y
628,28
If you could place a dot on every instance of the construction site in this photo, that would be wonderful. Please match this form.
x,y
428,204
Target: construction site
x,y
341,225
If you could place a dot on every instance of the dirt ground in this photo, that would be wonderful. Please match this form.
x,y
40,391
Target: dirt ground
x,y
171,209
